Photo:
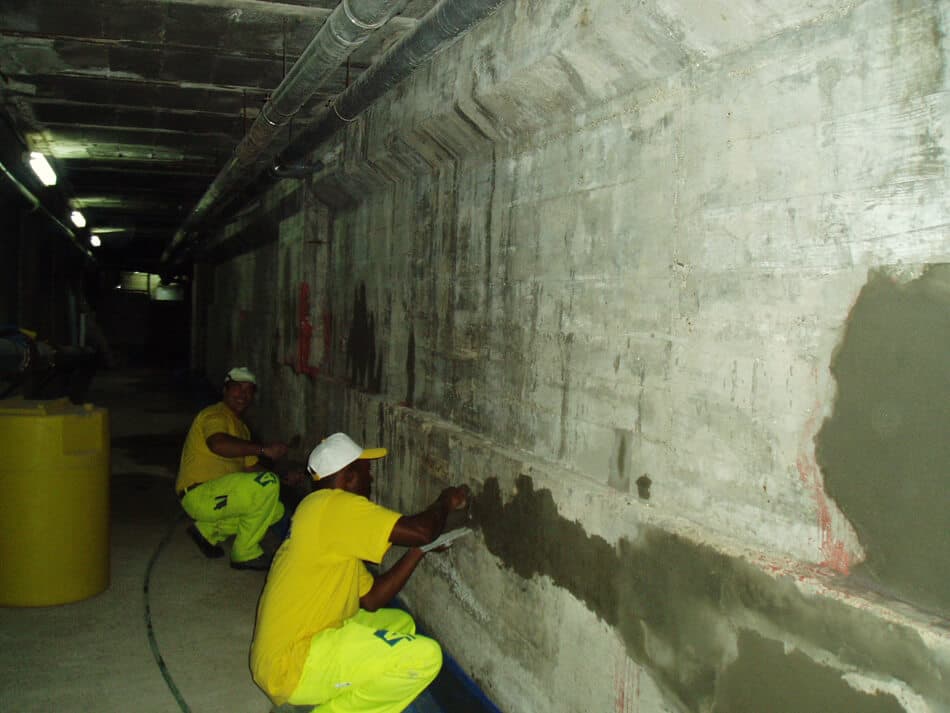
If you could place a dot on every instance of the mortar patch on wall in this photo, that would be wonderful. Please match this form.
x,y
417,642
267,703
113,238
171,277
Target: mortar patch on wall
x,y
687,612
364,365
766,677
411,369
885,449
643,486
619,477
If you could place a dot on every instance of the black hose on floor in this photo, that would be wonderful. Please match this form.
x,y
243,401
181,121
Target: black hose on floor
x,y
153,644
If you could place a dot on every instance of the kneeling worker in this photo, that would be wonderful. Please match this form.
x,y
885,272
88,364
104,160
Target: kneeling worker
x,y
321,636
221,483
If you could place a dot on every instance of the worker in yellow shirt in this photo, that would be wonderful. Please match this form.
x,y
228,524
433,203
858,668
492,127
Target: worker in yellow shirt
x,y
322,636
221,483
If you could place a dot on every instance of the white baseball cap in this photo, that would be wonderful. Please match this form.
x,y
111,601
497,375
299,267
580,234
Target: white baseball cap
x,y
241,374
335,453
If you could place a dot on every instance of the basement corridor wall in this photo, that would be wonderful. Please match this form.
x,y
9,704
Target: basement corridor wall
x,y
668,284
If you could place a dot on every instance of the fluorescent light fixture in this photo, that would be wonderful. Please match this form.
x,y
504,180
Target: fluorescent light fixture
x,y
79,220
42,169
94,240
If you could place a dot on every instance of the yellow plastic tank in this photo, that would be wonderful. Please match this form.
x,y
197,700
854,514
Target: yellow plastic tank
x,y
54,508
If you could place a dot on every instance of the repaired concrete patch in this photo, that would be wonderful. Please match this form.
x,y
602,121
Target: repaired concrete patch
x,y
684,610
766,677
885,450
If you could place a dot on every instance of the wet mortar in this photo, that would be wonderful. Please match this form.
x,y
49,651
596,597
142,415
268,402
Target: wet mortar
x,y
664,593
885,450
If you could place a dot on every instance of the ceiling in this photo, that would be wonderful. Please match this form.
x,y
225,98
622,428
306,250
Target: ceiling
x,y
139,104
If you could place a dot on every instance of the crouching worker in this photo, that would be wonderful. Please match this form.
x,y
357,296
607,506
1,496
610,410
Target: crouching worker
x,y
221,482
322,637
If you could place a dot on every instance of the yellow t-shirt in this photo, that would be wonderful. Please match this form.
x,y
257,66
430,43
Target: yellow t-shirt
x,y
315,582
198,463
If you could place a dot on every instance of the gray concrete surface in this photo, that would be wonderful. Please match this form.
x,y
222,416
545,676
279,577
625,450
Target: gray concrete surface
x,y
666,283
600,245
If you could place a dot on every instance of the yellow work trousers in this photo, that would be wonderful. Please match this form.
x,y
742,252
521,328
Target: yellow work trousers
x,y
239,504
374,663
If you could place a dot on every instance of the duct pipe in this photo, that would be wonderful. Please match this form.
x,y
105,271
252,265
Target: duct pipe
x,y
345,29
297,170
37,204
14,355
441,27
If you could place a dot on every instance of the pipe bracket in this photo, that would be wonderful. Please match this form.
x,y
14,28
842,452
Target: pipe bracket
x,y
359,23
266,118
340,116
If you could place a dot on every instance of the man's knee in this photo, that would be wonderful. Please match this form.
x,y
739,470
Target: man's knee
x,y
277,517
423,659
397,620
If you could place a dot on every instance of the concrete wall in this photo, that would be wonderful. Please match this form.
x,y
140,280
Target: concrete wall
x,y
667,284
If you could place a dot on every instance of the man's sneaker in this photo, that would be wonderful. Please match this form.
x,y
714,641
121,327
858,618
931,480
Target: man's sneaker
x,y
261,564
207,549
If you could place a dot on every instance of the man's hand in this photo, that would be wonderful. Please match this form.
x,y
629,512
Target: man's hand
x,y
423,527
275,450
295,478
455,497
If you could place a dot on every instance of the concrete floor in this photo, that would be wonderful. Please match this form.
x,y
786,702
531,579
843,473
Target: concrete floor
x,y
96,654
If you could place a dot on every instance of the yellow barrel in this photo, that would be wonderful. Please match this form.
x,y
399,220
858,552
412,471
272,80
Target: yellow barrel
x,y
54,502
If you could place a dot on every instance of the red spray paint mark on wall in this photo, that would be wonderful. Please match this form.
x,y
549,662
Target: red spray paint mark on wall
x,y
626,684
302,364
833,550
836,554
327,333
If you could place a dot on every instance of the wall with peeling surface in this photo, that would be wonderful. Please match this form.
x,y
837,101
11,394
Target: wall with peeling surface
x,y
667,284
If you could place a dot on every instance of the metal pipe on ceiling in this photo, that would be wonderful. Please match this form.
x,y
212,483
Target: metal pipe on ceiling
x,y
442,26
345,29
438,29
297,170
37,204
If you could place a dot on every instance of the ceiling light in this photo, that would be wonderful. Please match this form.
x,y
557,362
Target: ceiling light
x,y
94,240
42,169
79,220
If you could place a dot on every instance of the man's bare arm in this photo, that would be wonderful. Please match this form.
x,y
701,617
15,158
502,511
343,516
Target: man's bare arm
x,y
228,446
412,531
423,527
391,582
